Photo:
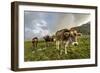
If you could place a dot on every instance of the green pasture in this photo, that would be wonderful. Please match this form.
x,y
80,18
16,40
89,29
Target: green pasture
x,y
42,53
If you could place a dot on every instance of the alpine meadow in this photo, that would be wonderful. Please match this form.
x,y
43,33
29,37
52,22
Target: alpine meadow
x,y
42,53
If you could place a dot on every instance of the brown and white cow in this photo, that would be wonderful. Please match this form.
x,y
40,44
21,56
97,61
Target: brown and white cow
x,y
34,42
66,37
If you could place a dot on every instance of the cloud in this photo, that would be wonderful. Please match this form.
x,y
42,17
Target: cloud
x,y
70,20
39,24
40,32
67,21
37,30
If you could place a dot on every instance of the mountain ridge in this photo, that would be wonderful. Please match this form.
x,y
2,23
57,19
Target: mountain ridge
x,y
84,29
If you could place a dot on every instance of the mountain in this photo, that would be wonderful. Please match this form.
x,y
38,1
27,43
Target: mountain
x,y
84,29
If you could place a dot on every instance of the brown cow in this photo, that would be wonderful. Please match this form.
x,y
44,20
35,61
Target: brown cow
x,y
34,42
66,37
48,39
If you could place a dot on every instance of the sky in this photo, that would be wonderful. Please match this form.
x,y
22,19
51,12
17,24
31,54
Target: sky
x,y
39,24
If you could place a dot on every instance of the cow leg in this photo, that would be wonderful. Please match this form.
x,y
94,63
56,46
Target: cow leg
x,y
61,46
66,45
61,52
36,44
57,44
46,43
33,45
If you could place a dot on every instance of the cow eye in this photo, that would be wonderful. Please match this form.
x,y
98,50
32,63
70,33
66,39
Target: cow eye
x,y
75,34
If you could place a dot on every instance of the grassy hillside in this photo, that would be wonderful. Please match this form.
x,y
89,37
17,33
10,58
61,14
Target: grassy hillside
x,y
82,51
84,29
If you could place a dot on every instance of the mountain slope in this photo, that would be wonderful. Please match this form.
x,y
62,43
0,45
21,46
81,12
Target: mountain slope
x,y
84,29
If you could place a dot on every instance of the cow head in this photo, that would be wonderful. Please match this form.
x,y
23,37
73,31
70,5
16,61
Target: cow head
x,y
72,36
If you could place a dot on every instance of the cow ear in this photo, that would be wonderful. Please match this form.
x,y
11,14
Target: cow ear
x,y
66,33
79,34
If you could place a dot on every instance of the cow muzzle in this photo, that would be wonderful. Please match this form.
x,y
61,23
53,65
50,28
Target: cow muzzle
x,y
75,43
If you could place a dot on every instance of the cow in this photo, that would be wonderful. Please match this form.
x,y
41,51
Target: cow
x,y
66,37
48,39
34,42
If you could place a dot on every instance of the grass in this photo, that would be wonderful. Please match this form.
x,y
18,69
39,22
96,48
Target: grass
x,y
82,51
